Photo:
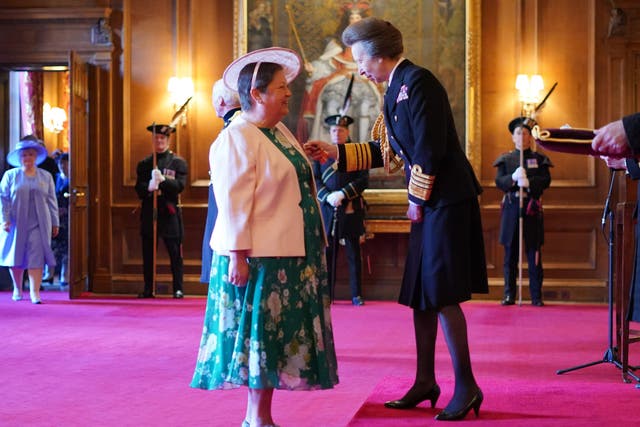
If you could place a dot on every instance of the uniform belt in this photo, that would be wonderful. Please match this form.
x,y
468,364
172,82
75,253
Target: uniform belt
x,y
517,194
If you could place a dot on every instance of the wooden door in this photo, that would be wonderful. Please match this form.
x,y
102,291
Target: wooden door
x,y
78,174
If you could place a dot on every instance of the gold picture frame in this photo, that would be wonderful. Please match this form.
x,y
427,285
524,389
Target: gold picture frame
x,y
292,25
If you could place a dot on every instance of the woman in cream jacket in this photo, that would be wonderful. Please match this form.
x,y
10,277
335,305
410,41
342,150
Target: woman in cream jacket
x,y
267,323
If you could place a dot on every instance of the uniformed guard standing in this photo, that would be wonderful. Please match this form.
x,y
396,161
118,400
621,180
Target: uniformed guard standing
x,y
343,208
168,179
534,178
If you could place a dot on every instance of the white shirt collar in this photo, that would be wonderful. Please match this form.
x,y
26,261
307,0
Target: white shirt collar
x,y
402,58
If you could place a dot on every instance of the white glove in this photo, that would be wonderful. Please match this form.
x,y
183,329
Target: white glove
x,y
518,174
153,185
157,175
335,198
523,182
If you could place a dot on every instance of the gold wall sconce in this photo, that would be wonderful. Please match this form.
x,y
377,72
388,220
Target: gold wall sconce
x,y
180,89
529,88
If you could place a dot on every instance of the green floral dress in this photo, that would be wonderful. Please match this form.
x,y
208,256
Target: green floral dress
x,y
276,332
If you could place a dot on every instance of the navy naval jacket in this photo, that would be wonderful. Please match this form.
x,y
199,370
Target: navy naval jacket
x,y
436,168
420,129
174,168
352,184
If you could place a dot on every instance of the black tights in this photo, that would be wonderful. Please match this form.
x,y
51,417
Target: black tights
x,y
454,327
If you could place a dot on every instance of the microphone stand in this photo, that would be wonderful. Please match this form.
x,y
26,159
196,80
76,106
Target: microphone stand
x,y
611,353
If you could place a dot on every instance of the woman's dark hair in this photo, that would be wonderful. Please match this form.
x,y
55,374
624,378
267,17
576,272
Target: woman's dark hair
x,y
379,38
265,75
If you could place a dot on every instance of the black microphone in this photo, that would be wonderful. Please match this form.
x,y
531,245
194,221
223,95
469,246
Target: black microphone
x,y
604,213
606,206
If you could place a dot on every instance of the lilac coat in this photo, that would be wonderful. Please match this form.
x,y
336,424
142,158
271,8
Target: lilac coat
x,y
14,202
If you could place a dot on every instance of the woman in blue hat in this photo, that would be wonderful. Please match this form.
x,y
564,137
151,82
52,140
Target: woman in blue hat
x,y
29,217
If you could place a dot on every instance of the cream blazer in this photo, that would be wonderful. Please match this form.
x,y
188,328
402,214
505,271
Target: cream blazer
x,y
257,193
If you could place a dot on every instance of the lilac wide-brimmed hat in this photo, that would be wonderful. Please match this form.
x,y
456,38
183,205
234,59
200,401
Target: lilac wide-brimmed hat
x,y
287,58
29,141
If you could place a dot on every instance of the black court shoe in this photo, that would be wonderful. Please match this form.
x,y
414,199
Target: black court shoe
x,y
474,404
405,403
507,301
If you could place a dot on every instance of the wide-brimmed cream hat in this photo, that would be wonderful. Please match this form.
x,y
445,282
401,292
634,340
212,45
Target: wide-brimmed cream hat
x,y
287,58
27,142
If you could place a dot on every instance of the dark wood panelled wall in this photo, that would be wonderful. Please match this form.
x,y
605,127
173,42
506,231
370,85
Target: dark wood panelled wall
x,y
151,40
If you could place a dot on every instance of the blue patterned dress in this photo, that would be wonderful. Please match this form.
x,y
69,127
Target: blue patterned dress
x,y
276,332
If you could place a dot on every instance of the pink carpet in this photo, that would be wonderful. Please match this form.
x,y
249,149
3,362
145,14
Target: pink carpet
x,y
516,352
128,362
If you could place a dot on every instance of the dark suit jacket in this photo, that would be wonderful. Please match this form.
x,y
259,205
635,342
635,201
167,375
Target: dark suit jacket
x,y
632,129
634,300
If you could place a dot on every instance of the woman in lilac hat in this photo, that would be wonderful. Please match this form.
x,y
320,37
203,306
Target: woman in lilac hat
x,y
29,216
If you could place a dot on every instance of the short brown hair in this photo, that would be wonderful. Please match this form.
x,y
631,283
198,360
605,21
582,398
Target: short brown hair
x,y
378,37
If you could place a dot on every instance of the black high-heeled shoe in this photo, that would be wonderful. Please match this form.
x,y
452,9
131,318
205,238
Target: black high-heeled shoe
x,y
474,404
404,403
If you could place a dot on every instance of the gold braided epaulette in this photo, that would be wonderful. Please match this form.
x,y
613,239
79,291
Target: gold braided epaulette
x,y
420,184
390,160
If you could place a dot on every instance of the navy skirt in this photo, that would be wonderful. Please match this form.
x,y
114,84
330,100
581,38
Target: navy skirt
x,y
446,258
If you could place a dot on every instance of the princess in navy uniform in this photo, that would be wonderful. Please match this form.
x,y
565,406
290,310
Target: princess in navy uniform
x,y
445,259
